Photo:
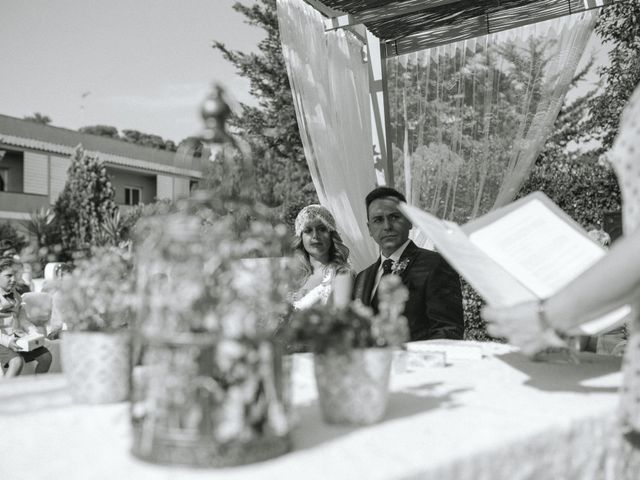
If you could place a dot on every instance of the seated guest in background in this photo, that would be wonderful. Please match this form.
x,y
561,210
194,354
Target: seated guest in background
x,y
434,307
11,312
23,271
612,281
321,255
7,249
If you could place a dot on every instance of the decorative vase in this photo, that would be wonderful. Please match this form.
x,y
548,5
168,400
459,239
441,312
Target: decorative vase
x,y
353,388
202,401
211,291
96,365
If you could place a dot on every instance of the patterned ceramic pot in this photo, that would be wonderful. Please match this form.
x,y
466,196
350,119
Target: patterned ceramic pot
x,y
96,365
204,401
353,388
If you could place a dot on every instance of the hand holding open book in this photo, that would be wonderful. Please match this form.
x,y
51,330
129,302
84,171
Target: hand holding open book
x,y
517,256
528,333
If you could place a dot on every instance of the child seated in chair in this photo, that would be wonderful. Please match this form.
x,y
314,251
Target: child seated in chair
x,y
12,314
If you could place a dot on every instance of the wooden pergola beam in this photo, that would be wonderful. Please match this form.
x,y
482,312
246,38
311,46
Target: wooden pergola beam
x,y
484,25
385,12
422,24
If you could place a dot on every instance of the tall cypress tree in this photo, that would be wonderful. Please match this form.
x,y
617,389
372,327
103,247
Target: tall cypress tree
x,y
271,127
85,202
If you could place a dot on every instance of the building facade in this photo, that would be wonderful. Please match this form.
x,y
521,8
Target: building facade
x,y
34,160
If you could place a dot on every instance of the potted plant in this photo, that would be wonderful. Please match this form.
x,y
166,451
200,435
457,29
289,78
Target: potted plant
x,y
210,389
352,350
95,303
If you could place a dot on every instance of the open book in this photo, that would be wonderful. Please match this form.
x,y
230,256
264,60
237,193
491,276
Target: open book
x,y
525,251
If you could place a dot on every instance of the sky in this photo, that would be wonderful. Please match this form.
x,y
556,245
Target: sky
x,y
145,65
132,64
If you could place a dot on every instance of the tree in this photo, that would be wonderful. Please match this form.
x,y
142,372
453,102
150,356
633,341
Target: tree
x,y
101,130
85,203
619,26
190,146
462,133
38,118
9,236
131,136
145,139
271,128
570,124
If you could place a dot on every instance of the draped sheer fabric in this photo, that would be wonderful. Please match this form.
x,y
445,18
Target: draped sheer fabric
x,y
469,119
329,81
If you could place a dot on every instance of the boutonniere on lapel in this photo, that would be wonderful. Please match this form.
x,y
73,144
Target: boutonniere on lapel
x,y
399,267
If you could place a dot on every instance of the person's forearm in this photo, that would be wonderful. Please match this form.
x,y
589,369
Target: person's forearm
x,y
610,282
5,339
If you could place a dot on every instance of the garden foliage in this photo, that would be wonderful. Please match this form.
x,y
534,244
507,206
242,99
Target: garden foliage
x,y
271,128
619,28
10,236
98,296
85,203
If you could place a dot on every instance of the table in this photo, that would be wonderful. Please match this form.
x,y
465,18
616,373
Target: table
x,y
495,416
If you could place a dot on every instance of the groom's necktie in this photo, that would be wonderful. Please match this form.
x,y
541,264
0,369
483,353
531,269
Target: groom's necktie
x,y
387,267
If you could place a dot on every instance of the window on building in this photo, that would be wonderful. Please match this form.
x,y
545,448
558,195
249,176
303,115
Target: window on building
x,y
3,179
132,195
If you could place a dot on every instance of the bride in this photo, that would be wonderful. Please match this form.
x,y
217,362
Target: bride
x,y
321,254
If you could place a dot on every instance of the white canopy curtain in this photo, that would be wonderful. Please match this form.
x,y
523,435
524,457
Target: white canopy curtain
x,y
469,119
329,81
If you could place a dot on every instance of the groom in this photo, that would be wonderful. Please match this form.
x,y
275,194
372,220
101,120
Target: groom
x,y
434,307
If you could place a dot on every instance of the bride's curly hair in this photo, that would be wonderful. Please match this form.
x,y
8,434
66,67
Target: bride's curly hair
x,y
338,256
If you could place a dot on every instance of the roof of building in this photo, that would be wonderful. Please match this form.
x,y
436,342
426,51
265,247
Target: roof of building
x,y
47,138
410,25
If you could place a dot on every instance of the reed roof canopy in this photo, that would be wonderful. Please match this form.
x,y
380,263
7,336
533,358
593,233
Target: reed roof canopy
x,y
405,26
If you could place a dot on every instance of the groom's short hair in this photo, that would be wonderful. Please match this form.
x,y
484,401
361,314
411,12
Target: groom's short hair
x,y
382,192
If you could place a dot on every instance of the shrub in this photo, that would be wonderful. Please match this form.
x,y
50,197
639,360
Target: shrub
x,y
9,236
475,328
583,188
85,203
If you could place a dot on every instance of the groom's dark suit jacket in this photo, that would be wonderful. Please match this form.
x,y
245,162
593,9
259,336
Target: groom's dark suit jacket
x,y
434,307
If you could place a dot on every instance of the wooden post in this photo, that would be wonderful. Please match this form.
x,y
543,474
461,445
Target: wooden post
x,y
379,103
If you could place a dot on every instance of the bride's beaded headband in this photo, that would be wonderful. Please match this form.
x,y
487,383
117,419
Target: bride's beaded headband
x,y
311,213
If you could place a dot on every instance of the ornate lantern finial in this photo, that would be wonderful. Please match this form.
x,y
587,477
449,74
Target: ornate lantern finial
x,y
231,167
215,112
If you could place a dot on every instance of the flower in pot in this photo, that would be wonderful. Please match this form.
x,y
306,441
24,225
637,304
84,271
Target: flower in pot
x,y
95,303
352,350
210,390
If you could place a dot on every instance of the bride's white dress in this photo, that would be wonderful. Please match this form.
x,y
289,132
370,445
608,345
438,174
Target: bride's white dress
x,y
319,294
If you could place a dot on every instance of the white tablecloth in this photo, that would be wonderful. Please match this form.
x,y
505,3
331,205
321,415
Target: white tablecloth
x,y
488,414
